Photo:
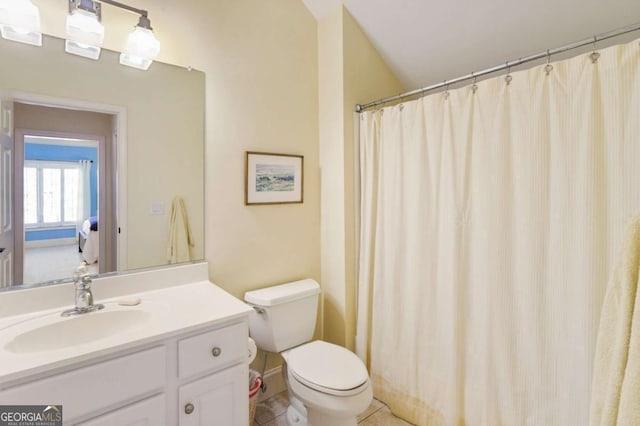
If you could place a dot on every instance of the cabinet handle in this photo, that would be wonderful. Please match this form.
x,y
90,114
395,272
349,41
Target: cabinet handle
x,y
189,408
216,351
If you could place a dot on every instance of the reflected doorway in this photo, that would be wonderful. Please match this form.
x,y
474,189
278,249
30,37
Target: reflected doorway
x,y
64,189
60,203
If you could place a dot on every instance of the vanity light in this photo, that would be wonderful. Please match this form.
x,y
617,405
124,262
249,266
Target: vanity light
x,y
142,46
85,33
20,21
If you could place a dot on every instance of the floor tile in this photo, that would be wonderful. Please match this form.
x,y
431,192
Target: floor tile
x,y
272,412
271,408
373,407
281,420
383,417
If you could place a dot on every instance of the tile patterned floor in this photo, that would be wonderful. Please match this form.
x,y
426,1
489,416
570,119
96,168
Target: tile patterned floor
x,y
272,412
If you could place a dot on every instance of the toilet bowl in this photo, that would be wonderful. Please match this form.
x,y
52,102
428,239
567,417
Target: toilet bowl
x,y
331,382
328,384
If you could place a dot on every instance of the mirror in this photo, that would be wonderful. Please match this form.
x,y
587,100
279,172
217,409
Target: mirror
x,y
101,194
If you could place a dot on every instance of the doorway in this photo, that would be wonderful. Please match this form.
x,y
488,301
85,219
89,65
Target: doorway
x,y
60,207
64,182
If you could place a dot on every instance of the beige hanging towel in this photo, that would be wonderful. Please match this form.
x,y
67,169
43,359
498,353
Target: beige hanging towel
x,y
180,239
615,392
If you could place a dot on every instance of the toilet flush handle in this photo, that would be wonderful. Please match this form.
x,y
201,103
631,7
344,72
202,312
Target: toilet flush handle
x,y
258,309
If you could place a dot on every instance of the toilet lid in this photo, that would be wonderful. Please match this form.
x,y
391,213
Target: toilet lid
x,y
327,367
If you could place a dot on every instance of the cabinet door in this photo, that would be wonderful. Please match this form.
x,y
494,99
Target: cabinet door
x,y
150,412
221,399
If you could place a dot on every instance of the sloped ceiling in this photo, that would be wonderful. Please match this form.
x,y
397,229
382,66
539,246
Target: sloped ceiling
x,y
426,41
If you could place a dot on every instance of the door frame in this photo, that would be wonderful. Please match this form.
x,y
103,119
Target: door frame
x,y
119,160
18,165
6,203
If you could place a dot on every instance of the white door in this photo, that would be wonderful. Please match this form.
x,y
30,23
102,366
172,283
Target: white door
x,y
221,399
6,191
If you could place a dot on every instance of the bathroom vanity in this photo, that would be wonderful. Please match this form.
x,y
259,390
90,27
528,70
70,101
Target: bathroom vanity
x,y
179,357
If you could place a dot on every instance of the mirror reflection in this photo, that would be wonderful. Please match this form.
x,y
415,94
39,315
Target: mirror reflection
x,y
60,207
101,164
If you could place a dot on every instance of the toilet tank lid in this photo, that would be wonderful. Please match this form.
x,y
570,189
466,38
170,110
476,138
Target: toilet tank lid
x,y
282,293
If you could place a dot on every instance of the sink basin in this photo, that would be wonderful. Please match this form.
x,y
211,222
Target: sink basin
x,y
77,330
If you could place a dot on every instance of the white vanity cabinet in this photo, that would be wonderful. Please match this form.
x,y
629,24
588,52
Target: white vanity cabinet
x,y
216,400
194,378
150,411
220,398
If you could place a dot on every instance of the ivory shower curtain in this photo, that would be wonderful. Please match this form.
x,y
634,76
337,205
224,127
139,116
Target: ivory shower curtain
x,y
489,221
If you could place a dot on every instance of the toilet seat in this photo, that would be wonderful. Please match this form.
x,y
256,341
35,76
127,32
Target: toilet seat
x,y
327,368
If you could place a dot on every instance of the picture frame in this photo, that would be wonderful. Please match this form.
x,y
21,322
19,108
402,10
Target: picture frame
x,y
273,178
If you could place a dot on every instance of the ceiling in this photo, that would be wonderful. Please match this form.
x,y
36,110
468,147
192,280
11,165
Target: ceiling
x,y
424,41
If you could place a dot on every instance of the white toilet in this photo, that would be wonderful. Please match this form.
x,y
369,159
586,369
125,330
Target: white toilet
x,y
328,385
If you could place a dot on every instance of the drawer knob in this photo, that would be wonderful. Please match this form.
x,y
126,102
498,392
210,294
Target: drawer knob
x,y
216,351
189,408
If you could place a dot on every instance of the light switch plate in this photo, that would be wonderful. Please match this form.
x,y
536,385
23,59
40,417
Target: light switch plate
x,y
157,208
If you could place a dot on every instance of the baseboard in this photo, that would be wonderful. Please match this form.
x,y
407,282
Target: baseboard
x,y
50,242
275,383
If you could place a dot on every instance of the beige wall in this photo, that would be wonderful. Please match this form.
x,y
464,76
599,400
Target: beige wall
x,y
350,71
262,96
331,116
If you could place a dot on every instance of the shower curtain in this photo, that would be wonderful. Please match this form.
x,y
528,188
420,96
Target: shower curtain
x,y
490,217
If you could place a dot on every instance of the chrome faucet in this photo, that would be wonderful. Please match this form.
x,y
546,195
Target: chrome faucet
x,y
84,297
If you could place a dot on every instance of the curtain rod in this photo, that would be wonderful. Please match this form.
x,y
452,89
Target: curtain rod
x,y
56,161
546,54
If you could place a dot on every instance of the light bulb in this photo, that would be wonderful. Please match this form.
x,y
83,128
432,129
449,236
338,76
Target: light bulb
x,y
84,27
85,34
20,21
141,48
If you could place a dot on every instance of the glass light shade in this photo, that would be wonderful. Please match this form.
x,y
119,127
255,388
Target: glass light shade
x,y
84,27
141,48
20,21
81,49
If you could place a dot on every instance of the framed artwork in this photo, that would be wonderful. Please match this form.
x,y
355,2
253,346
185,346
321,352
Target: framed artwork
x,y
273,178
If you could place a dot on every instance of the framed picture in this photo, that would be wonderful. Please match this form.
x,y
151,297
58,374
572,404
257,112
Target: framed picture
x,y
273,178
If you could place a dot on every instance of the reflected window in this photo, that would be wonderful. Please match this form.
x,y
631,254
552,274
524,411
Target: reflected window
x,y
51,193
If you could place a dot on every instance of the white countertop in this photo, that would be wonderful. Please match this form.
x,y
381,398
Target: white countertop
x,y
173,310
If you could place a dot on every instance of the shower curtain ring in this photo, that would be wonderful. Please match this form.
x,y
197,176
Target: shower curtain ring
x,y
508,78
446,90
548,68
594,55
474,86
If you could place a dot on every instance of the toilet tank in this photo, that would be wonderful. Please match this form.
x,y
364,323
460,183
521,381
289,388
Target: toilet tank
x,y
284,316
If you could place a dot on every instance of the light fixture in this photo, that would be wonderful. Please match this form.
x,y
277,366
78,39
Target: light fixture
x,y
20,21
142,46
85,33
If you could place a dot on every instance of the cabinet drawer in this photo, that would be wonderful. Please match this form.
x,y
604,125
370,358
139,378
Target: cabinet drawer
x,y
212,350
150,412
95,387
